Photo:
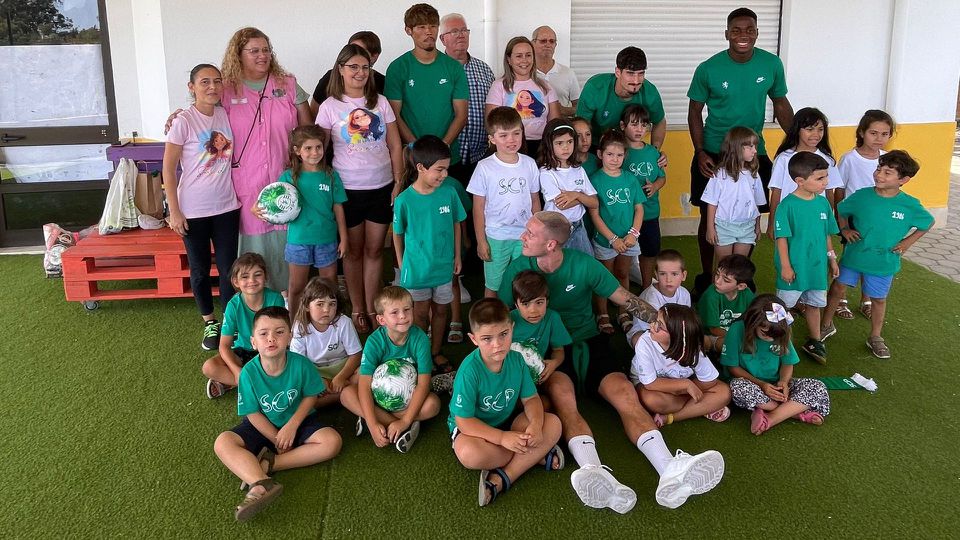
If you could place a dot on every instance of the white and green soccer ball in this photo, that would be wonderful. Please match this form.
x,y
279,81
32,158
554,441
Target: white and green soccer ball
x,y
279,203
531,357
393,384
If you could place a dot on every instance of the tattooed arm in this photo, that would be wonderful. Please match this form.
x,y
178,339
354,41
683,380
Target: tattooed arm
x,y
634,305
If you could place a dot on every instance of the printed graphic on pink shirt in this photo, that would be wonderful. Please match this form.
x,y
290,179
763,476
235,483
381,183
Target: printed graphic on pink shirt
x,y
529,103
361,126
216,150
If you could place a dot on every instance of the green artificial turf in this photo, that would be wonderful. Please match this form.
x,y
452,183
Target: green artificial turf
x,y
106,432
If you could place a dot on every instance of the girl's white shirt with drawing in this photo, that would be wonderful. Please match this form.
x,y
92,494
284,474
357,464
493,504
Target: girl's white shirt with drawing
x,y
736,201
553,181
650,362
857,171
326,348
780,177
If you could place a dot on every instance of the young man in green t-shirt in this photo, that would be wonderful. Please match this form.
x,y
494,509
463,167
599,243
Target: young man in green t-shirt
x,y
426,88
726,300
280,429
804,248
535,325
489,433
883,217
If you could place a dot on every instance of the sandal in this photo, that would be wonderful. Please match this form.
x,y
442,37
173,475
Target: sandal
x,y
625,320
843,311
557,453
603,324
663,419
252,504
264,455
372,321
488,488
360,322
878,347
759,421
866,309
809,416
718,415
455,335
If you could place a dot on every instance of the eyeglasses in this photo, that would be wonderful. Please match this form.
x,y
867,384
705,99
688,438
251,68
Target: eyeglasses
x,y
457,32
546,41
357,67
257,51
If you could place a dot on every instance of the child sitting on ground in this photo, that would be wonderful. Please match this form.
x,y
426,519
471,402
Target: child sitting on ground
x,y
665,359
534,324
760,356
327,338
249,276
802,227
280,429
725,300
671,273
397,338
882,217
487,430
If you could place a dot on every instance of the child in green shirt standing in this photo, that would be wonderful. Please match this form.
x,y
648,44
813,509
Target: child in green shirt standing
x,y
802,229
882,216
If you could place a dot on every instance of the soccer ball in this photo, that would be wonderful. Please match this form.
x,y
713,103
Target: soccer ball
x,y
279,203
530,357
393,383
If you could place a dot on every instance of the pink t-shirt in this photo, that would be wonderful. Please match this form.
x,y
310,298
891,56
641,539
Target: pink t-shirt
x,y
360,152
205,188
529,100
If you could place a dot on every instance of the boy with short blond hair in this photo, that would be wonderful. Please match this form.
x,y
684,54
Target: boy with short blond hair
x,y
506,193
396,338
668,289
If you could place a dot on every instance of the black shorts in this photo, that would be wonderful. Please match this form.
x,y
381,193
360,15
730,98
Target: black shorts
x,y
649,239
368,205
603,362
698,182
245,355
254,441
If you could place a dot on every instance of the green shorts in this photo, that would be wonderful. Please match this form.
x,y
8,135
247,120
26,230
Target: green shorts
x,y
502,252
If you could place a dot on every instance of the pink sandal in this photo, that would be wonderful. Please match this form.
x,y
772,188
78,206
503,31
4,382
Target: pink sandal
x,y
809,416
759,421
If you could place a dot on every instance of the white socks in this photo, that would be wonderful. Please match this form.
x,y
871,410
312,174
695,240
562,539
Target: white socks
x,y
584,450
652,445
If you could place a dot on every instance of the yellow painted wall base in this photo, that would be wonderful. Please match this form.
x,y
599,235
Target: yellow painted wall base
x,y
929,144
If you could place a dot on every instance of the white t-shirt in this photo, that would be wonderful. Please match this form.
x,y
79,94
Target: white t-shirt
x,y
529,100
657,299
780,177
649,363
360,152
206,187
735,201
564,83
507,189
553,181
857,171
326,348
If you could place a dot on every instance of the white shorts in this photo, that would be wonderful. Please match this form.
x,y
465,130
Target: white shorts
x,y
442,294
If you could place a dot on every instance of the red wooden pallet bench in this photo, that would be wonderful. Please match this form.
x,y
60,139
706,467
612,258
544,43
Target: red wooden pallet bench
x,y
137,254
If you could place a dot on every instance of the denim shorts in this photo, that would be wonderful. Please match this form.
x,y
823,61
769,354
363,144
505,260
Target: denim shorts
x,y
874,286
441,294
736,232
811,298
606,253
318,255
579,240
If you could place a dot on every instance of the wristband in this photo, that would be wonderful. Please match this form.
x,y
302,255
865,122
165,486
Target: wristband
x,y
613,239
634,232
831,254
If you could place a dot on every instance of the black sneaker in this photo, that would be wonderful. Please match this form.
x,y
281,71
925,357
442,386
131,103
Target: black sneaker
x,y
817,350
211,336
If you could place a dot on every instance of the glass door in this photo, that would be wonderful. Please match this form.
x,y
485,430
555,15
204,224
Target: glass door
x,y
57,116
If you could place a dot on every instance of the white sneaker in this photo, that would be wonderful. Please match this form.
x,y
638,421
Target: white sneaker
x,y
636,275
465,297
687,475
597,488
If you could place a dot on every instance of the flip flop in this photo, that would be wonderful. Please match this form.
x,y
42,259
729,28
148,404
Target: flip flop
x,y
555,452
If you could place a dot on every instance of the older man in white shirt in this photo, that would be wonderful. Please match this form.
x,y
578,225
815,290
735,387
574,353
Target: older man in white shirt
x,y
561,78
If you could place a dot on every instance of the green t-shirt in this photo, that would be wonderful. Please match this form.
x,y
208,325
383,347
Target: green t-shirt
x,y
717,312
427,224
602,107
736,94
489,397
618,200
238,318
765,361
465,198
591,164
571,287
643,164
805,225
547,334
427,92
882,222
316,224
278,397
379,348
257,86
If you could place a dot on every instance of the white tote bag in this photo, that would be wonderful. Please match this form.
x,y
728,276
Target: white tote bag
x,y
120,211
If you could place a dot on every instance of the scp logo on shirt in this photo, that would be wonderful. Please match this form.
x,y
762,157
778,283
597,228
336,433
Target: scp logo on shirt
x,y
498,402
279,402
618,196
512,185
